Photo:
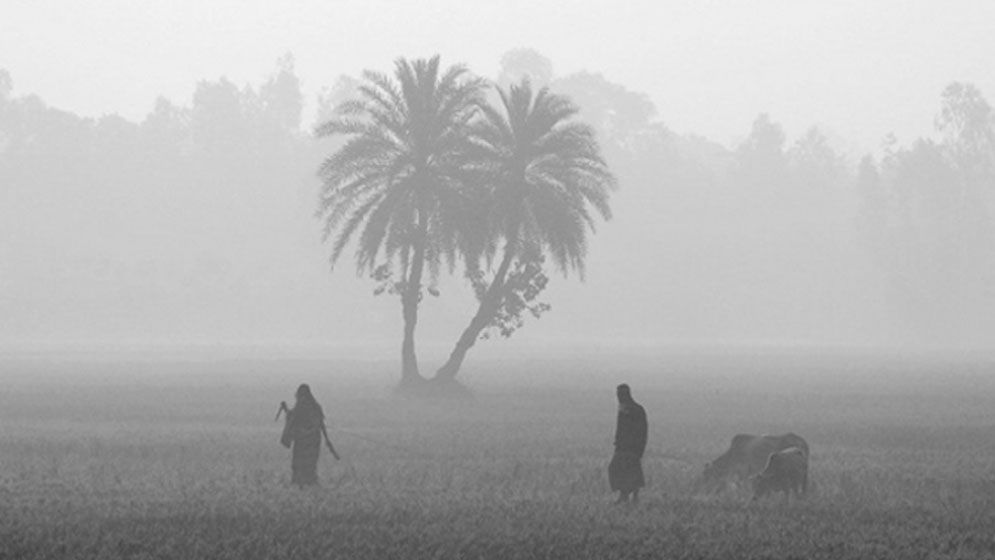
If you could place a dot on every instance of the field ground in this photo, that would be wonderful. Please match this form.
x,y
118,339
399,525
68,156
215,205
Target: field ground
x,y
173,459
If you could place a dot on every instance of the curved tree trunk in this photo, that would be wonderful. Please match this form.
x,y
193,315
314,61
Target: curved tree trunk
x,y
466,340
489,305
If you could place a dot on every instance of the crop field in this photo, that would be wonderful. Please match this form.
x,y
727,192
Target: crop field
x,y
128,458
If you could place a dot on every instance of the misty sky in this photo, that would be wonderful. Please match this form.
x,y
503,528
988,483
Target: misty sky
x,y
860,69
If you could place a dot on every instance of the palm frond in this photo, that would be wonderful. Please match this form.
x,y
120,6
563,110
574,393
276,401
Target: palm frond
x,y
346,232
553,182
408,151
378,225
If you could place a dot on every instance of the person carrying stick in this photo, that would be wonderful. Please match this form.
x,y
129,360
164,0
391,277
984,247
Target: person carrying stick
x,y
303,430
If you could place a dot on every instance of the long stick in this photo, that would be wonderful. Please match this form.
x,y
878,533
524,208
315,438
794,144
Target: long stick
x,y
283,408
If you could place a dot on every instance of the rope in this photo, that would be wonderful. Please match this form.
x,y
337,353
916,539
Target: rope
x,y
417,452
381,443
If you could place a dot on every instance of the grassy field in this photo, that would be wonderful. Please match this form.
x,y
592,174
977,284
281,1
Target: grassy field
x,y
172,459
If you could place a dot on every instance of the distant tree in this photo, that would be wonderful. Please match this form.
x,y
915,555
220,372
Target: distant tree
x,y
761,161
547,183
281,97
518,64
397,184
816,193
620,116
218,122
639,150
117,149
968,124
329,98
166,130
814,161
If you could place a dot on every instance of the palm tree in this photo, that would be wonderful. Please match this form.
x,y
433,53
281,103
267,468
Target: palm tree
x,y
547,181
397,185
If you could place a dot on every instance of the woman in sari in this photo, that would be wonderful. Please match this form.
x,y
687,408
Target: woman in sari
x,y
303,431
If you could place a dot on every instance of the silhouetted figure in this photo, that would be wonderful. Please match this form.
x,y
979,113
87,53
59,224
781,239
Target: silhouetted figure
x,y
304,428
625,472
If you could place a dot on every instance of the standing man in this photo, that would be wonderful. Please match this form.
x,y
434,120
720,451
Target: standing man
x,y
625,472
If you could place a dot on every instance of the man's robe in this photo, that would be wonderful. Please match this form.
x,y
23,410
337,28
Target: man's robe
x,y
625,472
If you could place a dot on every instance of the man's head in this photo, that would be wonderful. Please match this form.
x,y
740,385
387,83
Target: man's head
x,y
624,393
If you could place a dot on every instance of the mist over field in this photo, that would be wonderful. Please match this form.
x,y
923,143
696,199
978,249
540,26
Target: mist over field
x,y
181,459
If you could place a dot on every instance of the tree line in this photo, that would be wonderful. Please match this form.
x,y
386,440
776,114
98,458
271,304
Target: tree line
x,y
232,176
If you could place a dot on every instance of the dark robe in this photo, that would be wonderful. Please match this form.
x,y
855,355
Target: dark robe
x,y
303,429
625,472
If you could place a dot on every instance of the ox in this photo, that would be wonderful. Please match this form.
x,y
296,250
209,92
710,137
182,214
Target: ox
x,y
746,457
786,471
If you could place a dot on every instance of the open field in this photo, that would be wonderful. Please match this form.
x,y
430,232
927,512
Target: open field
x,y
172,459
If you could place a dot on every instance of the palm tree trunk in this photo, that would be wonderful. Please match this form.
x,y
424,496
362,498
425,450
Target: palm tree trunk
x,y
409,304
489,305
409,360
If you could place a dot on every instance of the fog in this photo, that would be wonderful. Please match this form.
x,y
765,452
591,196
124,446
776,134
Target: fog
x,y
773,189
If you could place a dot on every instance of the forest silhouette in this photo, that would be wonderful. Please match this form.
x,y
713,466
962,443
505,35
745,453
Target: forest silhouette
x,y
197,224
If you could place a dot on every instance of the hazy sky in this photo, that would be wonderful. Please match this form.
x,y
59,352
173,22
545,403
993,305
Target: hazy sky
x,y
860,68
